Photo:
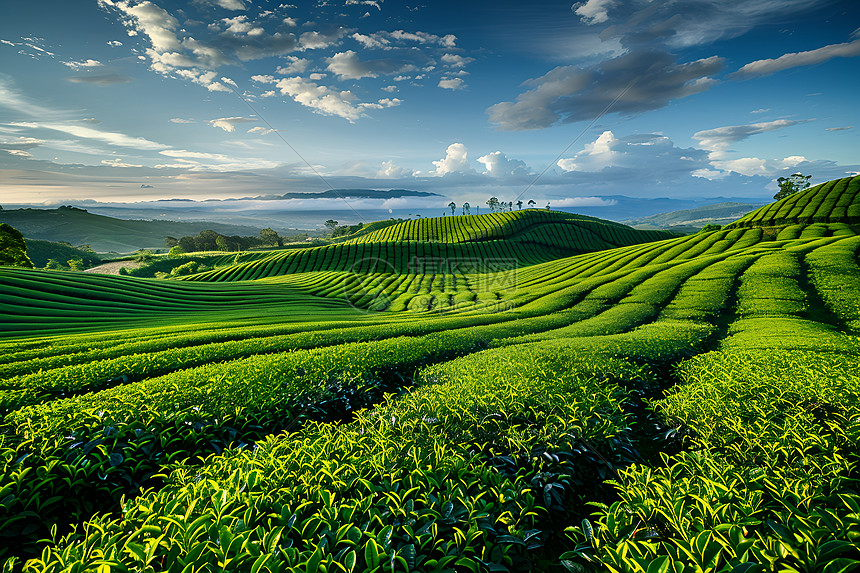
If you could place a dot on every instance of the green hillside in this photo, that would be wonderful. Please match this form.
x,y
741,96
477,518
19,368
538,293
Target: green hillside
x,y
106,234
685,404
515,239
829,202
13,248
691,220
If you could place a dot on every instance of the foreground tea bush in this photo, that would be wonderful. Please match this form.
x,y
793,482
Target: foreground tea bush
x,y
767,484
410,485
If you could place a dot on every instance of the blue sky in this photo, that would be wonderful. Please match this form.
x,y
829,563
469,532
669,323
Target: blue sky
x,y
123,100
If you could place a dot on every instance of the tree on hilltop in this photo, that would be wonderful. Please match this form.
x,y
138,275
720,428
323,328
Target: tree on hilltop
x,y
466,209
532,203
790,185
493,204
452,206
271,237
519,205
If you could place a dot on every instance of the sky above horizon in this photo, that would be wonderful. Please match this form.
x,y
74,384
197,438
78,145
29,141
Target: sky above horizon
x,y
124,101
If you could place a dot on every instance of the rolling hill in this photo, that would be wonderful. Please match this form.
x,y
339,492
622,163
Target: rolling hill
x,y
691,220
106,234
689,403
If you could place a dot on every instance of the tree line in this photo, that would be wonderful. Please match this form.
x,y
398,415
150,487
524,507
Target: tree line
x,y
214,241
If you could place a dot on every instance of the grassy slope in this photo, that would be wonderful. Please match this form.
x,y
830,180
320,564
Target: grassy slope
x,y
106,234
769,403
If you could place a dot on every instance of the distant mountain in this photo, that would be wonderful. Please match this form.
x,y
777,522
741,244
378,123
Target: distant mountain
x,y
689,220
335,194
107,234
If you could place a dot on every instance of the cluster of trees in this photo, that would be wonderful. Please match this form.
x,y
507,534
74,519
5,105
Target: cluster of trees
x,y
790,185
494,204
213,241
338,230
13,249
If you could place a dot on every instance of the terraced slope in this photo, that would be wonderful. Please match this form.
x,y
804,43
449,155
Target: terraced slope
x,y
834,201
475,435
517,238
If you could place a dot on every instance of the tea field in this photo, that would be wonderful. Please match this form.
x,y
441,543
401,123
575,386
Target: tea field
x,y
527,391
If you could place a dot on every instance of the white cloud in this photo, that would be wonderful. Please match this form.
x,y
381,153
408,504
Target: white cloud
x,y
374,3
239,25
448,41
184,154
114,43
374,41
117,162
593,11
317,40
760,68
180,120
647,156
156,23
261,130
455,161
111,138
452,83
82,65
720,139
264,79
456,61
347,66
228,124
391,171
497,164
296,66
762,110
321,99
838,128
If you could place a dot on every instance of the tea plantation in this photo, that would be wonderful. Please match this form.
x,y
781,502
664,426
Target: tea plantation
x,y
528,391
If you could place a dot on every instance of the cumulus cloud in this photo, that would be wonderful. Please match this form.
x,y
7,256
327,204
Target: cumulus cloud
x,y
296,65
455,60
647,156
261,130
391,171
316,40
347,66
229,124
720,139
632,83
766,67
497,164
180,120
455,161
593,11
452,83
102,80
321,99
147,18
82,65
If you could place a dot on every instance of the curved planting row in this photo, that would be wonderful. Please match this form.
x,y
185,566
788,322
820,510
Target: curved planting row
x,y
830,202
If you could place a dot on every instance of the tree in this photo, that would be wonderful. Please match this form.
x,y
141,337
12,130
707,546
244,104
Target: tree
x,y
453,206
171,242
547,205
271,237
519,205
77,264
790,185
54,264
531,203
175,251
493,204
221,243
142,256
188,244
331,224
466,209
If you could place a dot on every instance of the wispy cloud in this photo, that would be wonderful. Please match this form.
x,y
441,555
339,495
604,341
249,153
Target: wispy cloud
x,y
766,67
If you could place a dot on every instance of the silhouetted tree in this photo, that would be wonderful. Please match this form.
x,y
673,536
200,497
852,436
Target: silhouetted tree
x,y
519,205
493,203
453,206
531,203
790,185
331,224
466,209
